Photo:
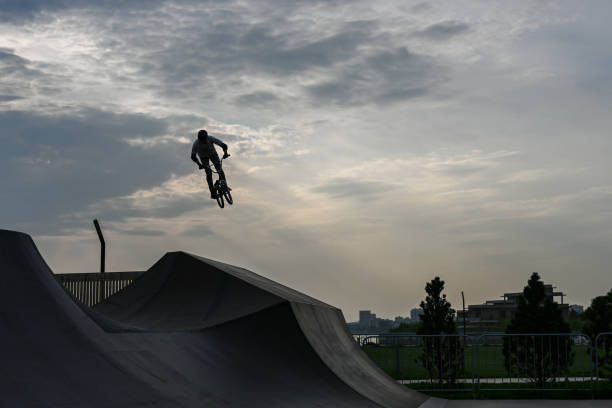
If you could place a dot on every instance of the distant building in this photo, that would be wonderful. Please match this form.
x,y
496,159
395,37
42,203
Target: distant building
x,y
576,309
495,312
370,324
367,319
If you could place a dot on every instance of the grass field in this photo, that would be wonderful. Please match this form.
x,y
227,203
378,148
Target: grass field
x,y
489,362
503,392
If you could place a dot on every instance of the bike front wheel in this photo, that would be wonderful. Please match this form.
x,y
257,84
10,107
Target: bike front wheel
x,y
228,197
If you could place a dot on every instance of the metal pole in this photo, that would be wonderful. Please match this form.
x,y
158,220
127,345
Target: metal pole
x,y
397,358
463,301
102,258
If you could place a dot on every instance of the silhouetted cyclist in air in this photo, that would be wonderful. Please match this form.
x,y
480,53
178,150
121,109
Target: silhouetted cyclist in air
x,y
204,147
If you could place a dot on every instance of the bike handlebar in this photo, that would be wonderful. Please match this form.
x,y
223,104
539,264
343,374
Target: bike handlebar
x,y
225,156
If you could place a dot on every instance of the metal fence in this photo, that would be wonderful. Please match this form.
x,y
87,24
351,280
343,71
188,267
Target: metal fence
x,y
90,288
493,361
535,361
603,357
426,362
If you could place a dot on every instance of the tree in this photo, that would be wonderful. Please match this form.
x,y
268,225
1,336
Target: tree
x,y
538,357
598,318
442,355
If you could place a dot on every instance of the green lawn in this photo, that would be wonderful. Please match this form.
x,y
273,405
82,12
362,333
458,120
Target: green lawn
x,y
502,392
490,357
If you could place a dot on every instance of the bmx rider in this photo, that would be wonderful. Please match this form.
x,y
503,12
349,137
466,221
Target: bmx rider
x,y
204,147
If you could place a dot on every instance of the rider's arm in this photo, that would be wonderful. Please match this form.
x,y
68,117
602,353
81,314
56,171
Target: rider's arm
x,y
194,156
219,143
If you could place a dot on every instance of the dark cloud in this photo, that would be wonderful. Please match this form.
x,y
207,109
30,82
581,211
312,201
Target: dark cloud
x,y
342,91
9,98
384,77
62,164
444,30
123,208
217,55
11,64
209,51
287,60
257,99
347,188
398,95
19,11
417,8
20,78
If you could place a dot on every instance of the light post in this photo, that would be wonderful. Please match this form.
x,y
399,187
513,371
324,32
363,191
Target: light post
x,y
102,258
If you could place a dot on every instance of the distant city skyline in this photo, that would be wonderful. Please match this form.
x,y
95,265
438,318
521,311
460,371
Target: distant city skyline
x,y
492,298
375,145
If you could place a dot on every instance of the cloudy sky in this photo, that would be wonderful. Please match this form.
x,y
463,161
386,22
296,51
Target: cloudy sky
x,y
374,145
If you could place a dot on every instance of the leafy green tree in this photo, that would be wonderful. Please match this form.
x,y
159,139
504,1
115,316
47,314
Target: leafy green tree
x,y
442,355
538,357
598,318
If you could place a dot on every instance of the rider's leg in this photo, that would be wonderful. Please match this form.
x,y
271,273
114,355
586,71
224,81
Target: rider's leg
x,y
217,162
209,180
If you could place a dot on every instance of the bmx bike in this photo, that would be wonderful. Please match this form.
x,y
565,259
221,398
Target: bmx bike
x,y
221,189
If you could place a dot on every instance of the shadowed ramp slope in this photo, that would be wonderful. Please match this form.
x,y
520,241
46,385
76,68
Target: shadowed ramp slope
x,y
189,333
185,292
52,353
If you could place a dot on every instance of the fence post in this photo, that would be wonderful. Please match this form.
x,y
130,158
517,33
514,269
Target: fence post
x,y
102,259
397,358
478,340
473,383
597,355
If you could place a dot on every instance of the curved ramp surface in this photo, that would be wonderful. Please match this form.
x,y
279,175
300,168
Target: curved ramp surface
x,y
190,332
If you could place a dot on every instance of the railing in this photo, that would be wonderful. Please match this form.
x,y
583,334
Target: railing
x,y
494,361
426,362
534,361
86,287
603,357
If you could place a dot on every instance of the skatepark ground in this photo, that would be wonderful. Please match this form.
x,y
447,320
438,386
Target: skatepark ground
x,y
190,332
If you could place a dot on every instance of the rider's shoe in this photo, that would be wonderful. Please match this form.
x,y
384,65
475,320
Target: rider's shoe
x,y
213,196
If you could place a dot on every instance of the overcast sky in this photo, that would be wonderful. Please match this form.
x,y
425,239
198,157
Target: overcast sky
x,y
374,145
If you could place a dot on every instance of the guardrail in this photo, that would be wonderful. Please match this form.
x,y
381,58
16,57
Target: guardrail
x,y
493,361
91,288
534,361
426,362
603,357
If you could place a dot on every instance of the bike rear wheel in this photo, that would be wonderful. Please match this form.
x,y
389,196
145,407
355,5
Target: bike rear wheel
x,y
218,194
220,200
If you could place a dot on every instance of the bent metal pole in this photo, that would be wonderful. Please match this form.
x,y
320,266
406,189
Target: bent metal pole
x,y
102,258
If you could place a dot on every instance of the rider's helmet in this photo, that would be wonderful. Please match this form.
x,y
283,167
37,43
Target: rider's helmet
x,y
202,135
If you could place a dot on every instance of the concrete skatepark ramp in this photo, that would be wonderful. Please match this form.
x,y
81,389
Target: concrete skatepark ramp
x,y
190,332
